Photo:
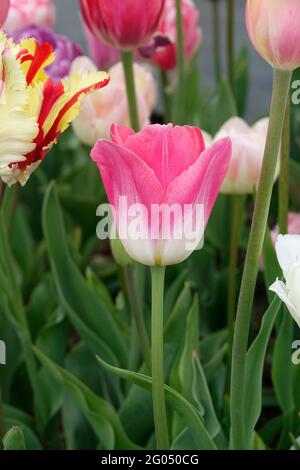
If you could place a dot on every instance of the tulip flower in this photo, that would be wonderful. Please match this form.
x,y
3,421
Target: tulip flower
x,y
65,49
166,57
273,27
126,25
34,110
248,144
288,254
4,7
22,13
110,105
164,166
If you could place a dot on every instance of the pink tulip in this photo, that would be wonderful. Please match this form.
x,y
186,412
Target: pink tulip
x,y
4,7
125,24
274,29
162,166
27,12
165,57
101,110
248,144
293,226
103,55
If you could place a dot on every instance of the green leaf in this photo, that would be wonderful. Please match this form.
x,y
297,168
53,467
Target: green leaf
x,y
271,266
86,311
177,401
223,106
254,370
15,417
14,439
100,414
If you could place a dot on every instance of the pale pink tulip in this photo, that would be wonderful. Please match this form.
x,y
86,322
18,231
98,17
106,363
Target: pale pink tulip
x,y
163,166
274,29
165,57
293,226
125,24
248,144
27,12
4,7
101,110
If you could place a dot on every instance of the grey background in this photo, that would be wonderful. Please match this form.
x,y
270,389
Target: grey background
x,y
68,22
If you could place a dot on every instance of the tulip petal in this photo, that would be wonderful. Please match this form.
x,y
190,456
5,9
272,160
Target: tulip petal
x,y
282,291
125,174
197,187
168,150
288,251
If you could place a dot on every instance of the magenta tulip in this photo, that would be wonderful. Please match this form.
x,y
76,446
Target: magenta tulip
x,y
4,7
161,166
125,24
274,29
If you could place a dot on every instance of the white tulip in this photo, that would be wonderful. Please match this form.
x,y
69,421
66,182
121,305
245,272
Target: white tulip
x,y
288,254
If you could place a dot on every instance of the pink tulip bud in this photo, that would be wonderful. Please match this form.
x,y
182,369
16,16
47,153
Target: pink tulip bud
x,y
4,7
163,168
165,57
25,12
248,144
125,24
101,110
274,29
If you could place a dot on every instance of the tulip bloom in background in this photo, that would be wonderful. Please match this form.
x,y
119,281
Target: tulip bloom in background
x,y
32,103
288,254
248,144
177,168
4,7
273,27
103,55
22,13
126,25
293,226
110,105
65,49
164,166
166,57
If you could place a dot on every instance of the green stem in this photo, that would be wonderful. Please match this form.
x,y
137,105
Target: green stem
x,y
216,39
230,41
2,427
127,60
159,405
233,261
284,172
137,312
281,85
167,97
180,62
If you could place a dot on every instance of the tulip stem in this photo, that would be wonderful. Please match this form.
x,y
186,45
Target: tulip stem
x,y
233,261
167,97
180,62
284,172
216,39
230,42
281,85
137,312
157,346
127,60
